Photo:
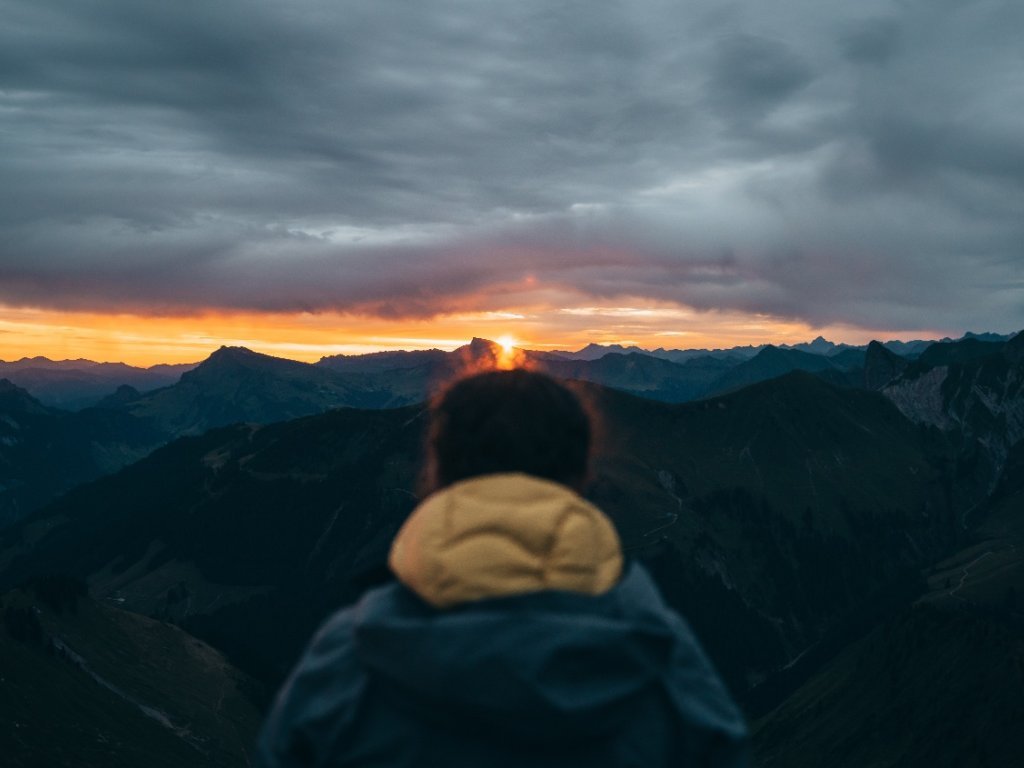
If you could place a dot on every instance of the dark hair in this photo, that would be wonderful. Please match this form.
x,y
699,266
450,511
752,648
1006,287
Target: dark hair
x,y
507,421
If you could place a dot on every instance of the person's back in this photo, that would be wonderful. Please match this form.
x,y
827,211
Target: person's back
x,y
514,635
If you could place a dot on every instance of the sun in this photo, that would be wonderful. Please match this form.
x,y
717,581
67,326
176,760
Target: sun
x,y
507,343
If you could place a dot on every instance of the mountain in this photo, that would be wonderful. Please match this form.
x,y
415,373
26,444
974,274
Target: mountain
x,y
819,346
848,358
988,336
246,535
236,384
881,366
597,351
76,384
932,687
83,683
954,661
45,452
913,349
774,361
973,390
908,349
413,376
643,375
734,354
964,351
378,362
770,517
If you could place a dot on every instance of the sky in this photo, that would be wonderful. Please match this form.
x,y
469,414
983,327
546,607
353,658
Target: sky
x,y
312,177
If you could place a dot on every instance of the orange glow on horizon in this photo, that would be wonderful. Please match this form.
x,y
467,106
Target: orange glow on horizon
x,y
147,340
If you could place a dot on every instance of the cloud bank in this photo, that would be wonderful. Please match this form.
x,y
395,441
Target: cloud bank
x,y
826,162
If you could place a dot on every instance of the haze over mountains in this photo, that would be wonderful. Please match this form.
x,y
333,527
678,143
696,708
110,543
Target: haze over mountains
x,y
836,526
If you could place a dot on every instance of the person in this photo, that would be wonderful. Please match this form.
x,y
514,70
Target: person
x,y
514,634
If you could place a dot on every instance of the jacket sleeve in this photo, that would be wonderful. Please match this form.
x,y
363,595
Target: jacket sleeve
x,y
318,702
716,733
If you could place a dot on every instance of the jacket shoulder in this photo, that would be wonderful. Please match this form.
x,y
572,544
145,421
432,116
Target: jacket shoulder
x,y
318,703
712,729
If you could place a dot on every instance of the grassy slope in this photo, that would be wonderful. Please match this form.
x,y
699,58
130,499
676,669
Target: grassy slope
x,y
943,685
54,712
937,687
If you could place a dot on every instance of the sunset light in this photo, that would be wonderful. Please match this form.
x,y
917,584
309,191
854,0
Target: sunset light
x,y
140,339
507,343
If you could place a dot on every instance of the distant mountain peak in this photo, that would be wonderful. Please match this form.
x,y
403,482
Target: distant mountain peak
x,y
881,365
478,349
227,352
820,346
241,356
227,359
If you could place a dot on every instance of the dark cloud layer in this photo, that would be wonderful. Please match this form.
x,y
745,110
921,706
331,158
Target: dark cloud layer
x,y
831,162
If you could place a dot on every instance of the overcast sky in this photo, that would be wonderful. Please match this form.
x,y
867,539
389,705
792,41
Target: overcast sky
x,y
826,162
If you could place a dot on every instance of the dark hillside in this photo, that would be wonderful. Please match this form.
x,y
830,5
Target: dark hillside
x,y
768,516
45,452
89,685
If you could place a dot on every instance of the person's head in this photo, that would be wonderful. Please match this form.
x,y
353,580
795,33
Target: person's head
x,y
507,421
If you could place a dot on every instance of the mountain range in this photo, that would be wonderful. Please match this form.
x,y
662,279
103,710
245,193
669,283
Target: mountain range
x,y
788,504
46,451
844,531
237,385
77,384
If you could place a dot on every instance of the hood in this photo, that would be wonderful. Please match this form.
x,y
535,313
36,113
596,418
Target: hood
x,y
541,667
505,534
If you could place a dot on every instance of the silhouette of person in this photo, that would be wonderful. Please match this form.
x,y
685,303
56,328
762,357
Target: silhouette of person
x,y
514,634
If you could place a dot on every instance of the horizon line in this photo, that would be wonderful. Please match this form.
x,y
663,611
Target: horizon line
x,y
449,345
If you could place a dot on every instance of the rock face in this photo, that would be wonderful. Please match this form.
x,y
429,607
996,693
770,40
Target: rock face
x,y
972,389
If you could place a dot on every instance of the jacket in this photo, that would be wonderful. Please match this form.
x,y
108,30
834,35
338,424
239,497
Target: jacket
x,y
513,637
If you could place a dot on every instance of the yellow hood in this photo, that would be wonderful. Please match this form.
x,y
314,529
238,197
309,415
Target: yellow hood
x,y
501,535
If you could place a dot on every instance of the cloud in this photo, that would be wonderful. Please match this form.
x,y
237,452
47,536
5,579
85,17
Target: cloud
x,y
836,163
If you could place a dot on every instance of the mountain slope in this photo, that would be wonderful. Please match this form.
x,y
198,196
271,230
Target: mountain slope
x,y
45,452
644,375
414,376
235,384
86,684
934,687
771,362
881,366
954,662
768,516
973,390
75,384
